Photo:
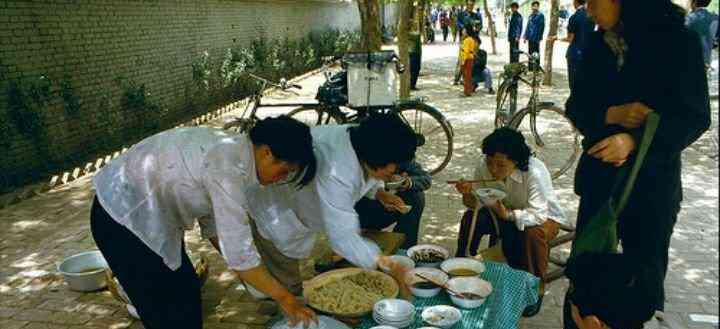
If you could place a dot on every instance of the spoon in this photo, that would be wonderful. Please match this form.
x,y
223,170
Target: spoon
x,y
444,286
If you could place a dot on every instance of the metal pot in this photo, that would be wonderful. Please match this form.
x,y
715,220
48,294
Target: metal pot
x,y
84,271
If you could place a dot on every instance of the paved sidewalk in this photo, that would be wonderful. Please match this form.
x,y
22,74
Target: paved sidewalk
x,y
38,233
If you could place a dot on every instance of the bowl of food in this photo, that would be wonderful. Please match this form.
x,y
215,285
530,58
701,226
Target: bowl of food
x,y
84,271
428,255
404,261
461,266
442,316
348,292
472,291
489,195
397,313
396,182
421,287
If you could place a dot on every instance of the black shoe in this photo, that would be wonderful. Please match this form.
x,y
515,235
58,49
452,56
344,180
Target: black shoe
x,y
534,309
414,88
491,91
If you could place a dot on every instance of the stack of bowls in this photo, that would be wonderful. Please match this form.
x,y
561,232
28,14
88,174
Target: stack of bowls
x,y
394,312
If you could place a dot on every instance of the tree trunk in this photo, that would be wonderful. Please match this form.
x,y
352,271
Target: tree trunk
x,y
406,10
370,25
491,27
554,7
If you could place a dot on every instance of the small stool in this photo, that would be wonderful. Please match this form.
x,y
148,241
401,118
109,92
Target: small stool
x,y
567,235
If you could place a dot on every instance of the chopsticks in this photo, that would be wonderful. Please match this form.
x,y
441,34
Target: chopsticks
x,y
440,285
474,181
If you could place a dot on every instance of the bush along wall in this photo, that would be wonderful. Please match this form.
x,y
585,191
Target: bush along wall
x,y
34,102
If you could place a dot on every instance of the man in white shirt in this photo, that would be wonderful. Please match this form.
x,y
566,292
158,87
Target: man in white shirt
x,y
353,161
528,217
149,196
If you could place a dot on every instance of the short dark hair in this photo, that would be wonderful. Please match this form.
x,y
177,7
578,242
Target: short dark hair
x,y
535,3
510,142
582,2
702,3
382,139
514,5
289,140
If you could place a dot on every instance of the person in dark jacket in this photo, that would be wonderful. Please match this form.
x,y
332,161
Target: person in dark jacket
x,y
578,27
377,214
415,54
515,32
641,59
535,28
469,17
704,23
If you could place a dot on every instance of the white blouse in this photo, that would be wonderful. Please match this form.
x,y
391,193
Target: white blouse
x,y
290,218
160,186
530,194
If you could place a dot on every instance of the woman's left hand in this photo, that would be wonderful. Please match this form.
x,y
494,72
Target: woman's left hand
x,y
614,149
499,209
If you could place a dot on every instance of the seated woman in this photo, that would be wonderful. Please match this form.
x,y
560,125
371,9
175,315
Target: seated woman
x,y
528,217
386,208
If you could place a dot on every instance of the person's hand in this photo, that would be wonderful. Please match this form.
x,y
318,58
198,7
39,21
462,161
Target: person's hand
x,y
588,322
398,272
630,115
463,187
552,38
390,201
614,149
296,312
499,209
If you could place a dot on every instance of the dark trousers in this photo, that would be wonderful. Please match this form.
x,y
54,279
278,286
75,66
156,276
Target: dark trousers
x,y
415,64
373,216
526,250
572,66
644,229
514,47
162,297
445,31
534,47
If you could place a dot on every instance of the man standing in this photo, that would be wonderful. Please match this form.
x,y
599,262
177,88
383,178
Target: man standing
x,y
514,32
535,28
469,17
704,23
415,54
579,26
444,24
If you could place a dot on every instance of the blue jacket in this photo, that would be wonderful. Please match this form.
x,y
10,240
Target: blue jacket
x,y
465,18
515,29
535,27
581,27
701,20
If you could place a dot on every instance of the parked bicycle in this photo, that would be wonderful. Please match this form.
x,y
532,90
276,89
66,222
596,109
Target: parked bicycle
x,y
554,139
434,132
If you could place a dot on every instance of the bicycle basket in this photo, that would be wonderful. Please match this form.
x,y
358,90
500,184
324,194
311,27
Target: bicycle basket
x,y
514,69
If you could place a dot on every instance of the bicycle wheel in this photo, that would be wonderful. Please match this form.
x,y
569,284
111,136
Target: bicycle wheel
x,y
313,115
506,103
435,136
552,137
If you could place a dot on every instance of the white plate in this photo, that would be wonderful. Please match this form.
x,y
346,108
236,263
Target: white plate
x,y
324,322
441,316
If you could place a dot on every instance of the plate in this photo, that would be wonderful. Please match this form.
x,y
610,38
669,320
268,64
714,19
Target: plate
x,y
324,322
489,195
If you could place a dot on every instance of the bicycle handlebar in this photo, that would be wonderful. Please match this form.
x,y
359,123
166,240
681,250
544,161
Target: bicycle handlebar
x,y
282,85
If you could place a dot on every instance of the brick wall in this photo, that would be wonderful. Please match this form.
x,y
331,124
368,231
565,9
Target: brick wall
x,y
92,43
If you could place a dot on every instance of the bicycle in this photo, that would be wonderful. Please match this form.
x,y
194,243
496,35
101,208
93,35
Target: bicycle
x,y
554,140
434,132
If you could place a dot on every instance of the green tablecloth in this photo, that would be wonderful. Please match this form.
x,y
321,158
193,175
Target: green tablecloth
x,y
513,291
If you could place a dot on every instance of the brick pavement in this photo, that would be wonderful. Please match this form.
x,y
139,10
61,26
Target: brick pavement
x,y
38,233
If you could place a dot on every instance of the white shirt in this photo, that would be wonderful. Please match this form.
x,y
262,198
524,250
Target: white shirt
x,y
160,186
530,194
290,218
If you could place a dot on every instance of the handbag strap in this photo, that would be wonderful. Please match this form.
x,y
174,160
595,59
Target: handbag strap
x,y
651,125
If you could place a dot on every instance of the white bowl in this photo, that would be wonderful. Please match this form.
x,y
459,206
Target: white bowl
x,y
394,312
383,327
442,316
462,263
84,271
404,261
469,284
489,195
413,252
436,275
